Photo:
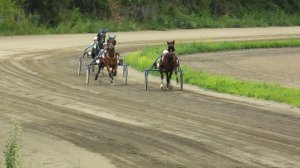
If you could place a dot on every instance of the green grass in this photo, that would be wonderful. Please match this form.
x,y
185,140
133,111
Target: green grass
x,y
230,85
143,59
190,48
13,145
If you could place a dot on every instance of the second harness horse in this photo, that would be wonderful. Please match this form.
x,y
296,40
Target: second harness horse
x,y
166,63
110,59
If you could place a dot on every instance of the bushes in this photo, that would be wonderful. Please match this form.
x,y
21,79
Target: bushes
x,y
81,16
14,21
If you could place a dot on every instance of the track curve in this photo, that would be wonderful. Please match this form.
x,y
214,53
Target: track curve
x,y
68,124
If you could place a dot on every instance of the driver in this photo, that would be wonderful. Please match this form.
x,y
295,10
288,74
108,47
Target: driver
x,y
95,49
156,62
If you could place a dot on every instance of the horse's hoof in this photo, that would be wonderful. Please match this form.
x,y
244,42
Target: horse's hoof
x,y
161,87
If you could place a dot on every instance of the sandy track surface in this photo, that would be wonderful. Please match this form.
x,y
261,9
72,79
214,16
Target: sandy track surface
x,y
68,124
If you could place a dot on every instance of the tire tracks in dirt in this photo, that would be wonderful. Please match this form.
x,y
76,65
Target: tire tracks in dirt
x,y
129,127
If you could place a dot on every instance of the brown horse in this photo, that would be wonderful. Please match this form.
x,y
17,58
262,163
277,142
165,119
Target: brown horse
x,y
110,59
168,64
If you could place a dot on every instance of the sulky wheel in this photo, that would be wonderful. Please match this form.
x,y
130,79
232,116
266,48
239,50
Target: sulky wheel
x,y
181,79
79,66
146,80
125,74
120,59
87,74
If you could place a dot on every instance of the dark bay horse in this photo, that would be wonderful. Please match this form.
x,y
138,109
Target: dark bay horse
x,y
168,64
110,59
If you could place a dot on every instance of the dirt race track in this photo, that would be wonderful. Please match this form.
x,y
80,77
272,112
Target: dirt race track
x,y
68,124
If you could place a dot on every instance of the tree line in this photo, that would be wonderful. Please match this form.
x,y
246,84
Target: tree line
x,y
76,16
51,12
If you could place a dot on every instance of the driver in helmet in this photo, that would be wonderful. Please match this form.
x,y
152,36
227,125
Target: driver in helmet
x,y
94,47
156,62
101,53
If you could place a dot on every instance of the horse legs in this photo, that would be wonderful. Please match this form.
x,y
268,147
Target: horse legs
x,y
161,80
177,81
111,76
99,67
115,70
93,67
169,76
168,79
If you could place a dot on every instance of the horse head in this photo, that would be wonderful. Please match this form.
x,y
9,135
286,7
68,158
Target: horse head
x,y
111,42
171,50
171,46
